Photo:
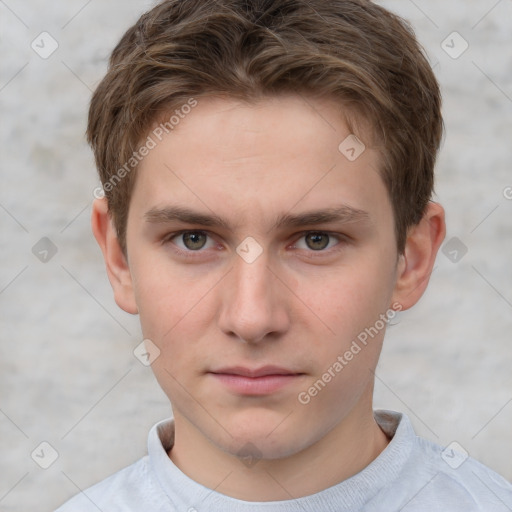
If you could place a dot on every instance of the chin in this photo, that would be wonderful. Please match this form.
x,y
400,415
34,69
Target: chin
x,y
262,436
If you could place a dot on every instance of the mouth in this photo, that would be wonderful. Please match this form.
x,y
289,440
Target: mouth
x,y
255,381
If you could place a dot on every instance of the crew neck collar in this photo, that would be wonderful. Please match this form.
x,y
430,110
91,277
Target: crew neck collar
x,y
346,496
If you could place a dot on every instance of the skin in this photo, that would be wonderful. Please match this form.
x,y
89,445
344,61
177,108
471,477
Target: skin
x,y
295,306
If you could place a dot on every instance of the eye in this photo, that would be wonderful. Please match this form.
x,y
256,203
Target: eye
x,y
192,240
317,241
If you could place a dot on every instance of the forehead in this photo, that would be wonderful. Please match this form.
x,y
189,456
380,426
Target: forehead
x,y
233,124
273,155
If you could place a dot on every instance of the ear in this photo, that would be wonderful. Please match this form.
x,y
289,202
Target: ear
x,y
416,263
117,265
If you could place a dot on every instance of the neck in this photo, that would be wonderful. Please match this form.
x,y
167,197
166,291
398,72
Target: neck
x,y
344,451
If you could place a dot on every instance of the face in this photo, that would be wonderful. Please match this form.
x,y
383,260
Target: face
x,y
258,252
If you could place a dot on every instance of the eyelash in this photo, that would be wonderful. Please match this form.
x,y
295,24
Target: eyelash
x,y
341,239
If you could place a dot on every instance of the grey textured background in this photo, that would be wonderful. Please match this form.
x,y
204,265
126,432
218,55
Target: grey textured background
x,y
67,372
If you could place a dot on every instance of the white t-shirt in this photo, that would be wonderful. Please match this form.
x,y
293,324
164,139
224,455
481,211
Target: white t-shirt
x,y
410,475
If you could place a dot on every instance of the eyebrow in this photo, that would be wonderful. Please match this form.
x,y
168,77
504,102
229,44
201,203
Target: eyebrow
x,y
184,215
343,214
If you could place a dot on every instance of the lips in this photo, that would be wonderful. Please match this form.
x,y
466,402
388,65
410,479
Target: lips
x,y
263,371
255,381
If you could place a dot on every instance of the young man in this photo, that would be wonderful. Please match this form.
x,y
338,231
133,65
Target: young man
x,y
268,170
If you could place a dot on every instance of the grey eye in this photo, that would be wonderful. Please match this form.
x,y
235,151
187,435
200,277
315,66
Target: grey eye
x,y
317,241
194,240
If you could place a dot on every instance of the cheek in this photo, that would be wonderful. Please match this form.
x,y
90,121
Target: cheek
x,y
176,310
344,359
165,295
351,304
353,297
154,298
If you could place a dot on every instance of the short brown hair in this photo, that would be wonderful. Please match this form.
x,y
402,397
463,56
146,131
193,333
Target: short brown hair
x,y
352,51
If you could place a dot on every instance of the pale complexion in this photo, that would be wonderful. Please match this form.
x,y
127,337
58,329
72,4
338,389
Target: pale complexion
x,y
230,171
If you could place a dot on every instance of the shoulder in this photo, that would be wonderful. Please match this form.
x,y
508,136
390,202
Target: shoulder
x,y
448,479
135,487
129,489
438,478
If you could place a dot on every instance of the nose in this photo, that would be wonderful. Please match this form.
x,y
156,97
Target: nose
x,y
254,305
